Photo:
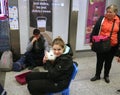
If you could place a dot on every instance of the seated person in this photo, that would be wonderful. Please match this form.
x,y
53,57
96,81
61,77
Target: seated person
x,y
59,71
36,49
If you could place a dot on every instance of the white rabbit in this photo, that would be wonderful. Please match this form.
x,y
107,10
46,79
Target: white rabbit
x,y
51,55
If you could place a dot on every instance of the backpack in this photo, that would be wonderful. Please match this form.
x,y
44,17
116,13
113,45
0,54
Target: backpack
x,y
6,61
2,90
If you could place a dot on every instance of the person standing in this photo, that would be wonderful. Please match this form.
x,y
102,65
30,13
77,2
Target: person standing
x,y
103,27
59,71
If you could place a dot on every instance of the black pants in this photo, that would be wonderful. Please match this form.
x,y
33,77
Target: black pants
x,y
34,59
39,84
106,60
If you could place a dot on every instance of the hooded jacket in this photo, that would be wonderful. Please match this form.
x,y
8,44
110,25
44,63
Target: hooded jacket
x,y
60,71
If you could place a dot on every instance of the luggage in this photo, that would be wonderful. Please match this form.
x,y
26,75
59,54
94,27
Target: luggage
x,y
6,61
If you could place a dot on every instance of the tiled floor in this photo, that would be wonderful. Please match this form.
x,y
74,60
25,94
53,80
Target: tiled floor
x,y
81,85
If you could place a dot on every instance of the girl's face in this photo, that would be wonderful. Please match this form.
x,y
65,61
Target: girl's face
x,y
58,50
110,14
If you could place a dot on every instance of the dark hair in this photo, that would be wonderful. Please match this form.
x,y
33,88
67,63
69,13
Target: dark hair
x,y
36,31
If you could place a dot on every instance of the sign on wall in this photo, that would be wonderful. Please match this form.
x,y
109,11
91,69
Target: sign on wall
x,y
13,17
96,8
41,14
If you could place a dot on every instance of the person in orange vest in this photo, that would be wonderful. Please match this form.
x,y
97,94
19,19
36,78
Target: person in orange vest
x,y
103,27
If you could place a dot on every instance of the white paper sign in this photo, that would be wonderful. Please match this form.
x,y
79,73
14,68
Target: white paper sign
x,y
13,17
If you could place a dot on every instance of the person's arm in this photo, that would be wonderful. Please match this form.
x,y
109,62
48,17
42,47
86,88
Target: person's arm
x,y
46,45
118,51
96,28
30,44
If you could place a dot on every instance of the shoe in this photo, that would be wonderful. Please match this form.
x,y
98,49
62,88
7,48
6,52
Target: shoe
x,y
118,90
107,80
95,78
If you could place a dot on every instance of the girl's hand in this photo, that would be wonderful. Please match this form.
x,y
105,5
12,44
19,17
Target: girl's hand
x,y
45,58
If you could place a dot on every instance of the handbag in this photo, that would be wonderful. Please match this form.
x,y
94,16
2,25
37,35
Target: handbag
x,y
21,78
102,44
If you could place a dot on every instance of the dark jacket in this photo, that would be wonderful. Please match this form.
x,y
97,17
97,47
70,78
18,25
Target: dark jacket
x,y
60,71
96,28
42,44
38,45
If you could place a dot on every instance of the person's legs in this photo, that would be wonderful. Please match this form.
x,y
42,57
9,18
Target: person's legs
x,y
36,76
43,86
99,65
100,61
20,64
30,60
38,58
108,64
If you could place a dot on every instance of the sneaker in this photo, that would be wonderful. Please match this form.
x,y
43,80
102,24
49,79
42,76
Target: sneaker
x,y
118,90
